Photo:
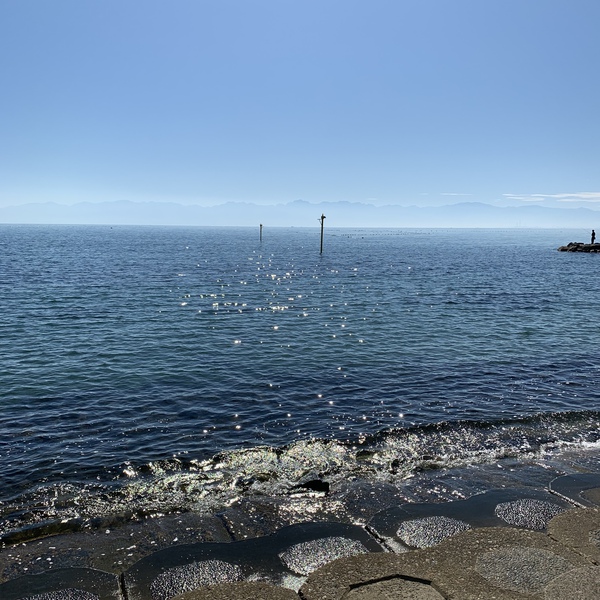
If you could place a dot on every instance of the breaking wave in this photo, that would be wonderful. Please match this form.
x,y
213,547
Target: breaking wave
x,y
303,467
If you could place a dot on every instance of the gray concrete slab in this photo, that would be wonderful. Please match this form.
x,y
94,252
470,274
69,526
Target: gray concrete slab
x,y
334,580
592,496
578,529
239,591
524,570
394,589
500,563
64,584
577,584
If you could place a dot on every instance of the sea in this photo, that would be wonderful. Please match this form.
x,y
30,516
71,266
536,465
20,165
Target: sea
x,y
148,371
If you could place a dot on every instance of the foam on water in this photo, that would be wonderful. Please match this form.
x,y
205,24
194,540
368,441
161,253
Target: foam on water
x,y
209,486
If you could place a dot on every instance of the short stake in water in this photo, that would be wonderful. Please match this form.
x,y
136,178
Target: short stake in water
x,y
322,219
261,232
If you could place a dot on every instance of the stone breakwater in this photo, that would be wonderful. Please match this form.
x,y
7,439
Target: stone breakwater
x,y
508,543
579,247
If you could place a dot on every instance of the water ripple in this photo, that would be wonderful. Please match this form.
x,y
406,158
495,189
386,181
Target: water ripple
x,y
141,345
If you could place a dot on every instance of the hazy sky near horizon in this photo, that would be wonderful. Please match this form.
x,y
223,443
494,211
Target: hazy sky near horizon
x,y
423,102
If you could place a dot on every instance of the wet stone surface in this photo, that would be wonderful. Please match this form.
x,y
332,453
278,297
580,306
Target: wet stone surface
x,y
424,533
425,524
581,488
592,496
64,584
306,557
110,550
280,559
68,594
189,577
529,513
255,517
360,500
506,474
347,502
167,556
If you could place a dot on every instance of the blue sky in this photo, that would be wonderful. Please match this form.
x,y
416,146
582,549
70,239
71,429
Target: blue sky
x,y
423,102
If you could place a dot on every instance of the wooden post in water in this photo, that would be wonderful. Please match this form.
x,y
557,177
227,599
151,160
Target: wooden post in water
x,y
322,219
261,232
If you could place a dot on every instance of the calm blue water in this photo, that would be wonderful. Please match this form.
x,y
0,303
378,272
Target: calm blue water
x,y
170,362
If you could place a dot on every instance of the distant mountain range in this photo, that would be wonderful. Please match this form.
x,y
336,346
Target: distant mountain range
x,y
301,214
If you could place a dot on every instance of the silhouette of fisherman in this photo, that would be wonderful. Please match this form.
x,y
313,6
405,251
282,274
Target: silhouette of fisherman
x,y
593,236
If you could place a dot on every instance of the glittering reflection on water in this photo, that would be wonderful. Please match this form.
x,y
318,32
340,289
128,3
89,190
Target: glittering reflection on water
x,y
132,357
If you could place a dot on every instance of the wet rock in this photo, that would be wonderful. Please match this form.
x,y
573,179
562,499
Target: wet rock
x,y
114,551
424,533
69,594
527,512
190,577
315,485
306,557
579,247
361,499
253,559
63,584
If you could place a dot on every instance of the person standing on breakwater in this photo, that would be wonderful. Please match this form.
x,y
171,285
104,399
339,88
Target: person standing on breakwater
x,y
593,236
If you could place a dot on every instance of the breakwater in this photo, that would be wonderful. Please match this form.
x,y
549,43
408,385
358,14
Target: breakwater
x,y
579,247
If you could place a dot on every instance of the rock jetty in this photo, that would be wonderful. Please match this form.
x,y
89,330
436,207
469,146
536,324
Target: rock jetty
x,y
579,247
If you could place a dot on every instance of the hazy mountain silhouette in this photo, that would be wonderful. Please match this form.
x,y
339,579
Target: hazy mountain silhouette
x,y
300,214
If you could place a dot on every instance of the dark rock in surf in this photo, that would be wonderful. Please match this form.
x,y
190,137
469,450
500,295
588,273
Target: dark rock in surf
x,y
579,247
314,485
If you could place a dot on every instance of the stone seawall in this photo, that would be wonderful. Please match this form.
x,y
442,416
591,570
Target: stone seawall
x,y
508,543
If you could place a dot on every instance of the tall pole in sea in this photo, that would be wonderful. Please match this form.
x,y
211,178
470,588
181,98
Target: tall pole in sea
x,y
322,219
